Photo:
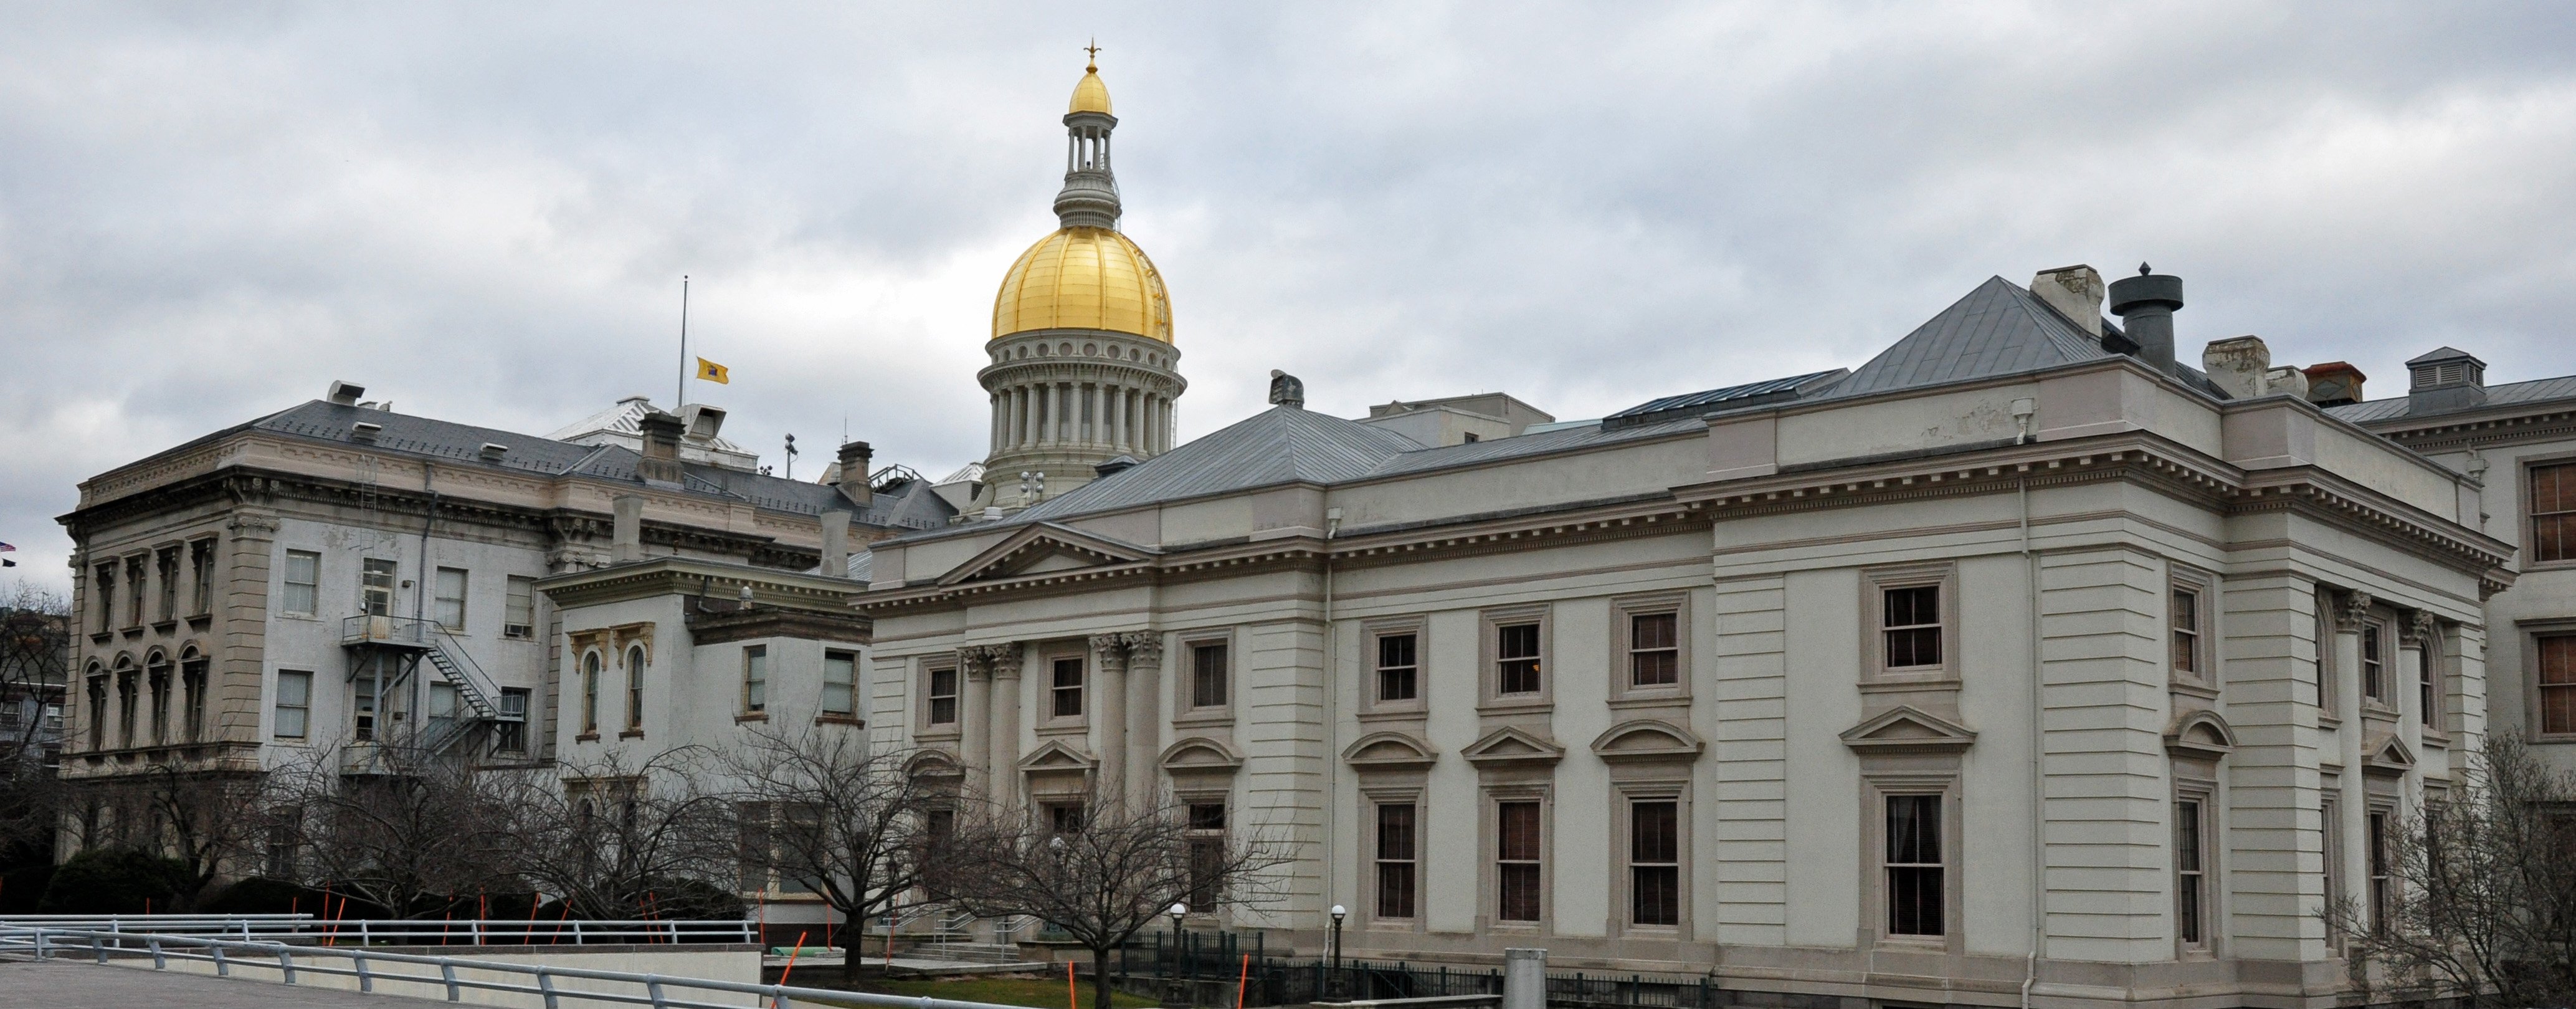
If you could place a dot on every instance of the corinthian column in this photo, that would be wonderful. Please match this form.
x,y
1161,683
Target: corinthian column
x,y
1109,657
1004,783
1144,719
975,717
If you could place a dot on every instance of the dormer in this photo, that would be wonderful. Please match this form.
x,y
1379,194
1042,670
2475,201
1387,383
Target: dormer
x,y
2445,379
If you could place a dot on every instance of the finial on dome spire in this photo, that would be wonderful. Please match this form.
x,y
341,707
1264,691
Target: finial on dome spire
x,y
1093,66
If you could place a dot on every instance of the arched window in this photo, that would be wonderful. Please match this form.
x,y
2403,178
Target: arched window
x,y
97,707
590,694
156,676
192,685
635,689
126,689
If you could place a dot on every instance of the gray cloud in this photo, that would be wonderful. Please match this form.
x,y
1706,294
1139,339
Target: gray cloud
x,y
482,211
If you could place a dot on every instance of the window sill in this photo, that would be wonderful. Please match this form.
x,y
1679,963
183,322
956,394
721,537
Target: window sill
x,y
2197,688
941,734
587,737
1062,729
102,637
285,615
631,734
756,716
135,631
166,626
1411,713
1202,717
839,720
201,621
1660,699
1516,704
1890,683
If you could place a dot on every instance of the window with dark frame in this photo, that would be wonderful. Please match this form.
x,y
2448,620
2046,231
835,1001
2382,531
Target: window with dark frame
x,y
192,680
590,693
1654,863
2186,632
1915,871
519,618
635,689
134,591
1911,626
201,563
1207,675
1064,818
2557,683
1654,649
1517,875
450,599
157,680
1396,666
943,697
2332,827
2374,669
167,563
303,583
1206,854
840,684
294,704
755,679
98,709
511,735
2191,888
2382,887
362,708
1066,688
2428,683
376,587
1516,659
103,597
2553,512
125,704
1395,860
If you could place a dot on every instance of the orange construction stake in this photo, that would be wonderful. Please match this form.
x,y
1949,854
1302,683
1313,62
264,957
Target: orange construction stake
x,y
791,959
1071,1001
1239,979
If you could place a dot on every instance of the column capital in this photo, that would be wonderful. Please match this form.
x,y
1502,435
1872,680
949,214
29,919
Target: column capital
x,y
1003,660
972,663
2423,629
2352,610
1144,647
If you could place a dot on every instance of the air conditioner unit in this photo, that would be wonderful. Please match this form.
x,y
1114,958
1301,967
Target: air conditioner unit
x,y
518,631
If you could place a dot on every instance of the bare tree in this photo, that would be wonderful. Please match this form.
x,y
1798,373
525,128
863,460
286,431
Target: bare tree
x,y
822,809
35,657
2479,901
210,820
392,825
614,839
1103,869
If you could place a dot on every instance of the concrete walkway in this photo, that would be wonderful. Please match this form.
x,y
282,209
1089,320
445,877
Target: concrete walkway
x,y
59,985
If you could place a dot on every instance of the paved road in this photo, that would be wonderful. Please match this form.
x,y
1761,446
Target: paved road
x,y
58,985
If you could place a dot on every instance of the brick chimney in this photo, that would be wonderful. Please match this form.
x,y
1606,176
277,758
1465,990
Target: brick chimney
x,y
852,476
661,463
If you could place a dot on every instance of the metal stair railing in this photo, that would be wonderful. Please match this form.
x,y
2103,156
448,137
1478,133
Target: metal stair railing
x,y
473,688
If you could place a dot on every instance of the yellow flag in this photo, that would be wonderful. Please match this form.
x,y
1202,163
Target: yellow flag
x,y
713,372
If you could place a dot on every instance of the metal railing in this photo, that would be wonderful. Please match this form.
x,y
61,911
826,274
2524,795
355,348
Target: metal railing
x,y
438,974
307,930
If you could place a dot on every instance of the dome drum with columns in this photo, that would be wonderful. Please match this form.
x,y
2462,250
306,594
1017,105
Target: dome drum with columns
x,y
1083,367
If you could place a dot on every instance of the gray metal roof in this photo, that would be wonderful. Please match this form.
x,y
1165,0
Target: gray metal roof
x,y
1998,329
1283,444
1700,403
910,504
2534,392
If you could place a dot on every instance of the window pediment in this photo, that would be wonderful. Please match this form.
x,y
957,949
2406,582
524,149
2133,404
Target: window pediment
x,y
1908,729
933,764
1509,746
1045,548
1391,751
1055,756
1647,740
2200,734
1201,755
2386,755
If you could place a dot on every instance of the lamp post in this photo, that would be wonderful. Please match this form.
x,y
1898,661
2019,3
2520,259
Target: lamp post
x,y
1177,910
1338,912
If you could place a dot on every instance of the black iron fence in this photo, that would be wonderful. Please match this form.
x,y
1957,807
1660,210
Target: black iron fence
x,y
1206,974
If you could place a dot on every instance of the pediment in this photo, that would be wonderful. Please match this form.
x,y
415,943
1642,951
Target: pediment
x,y
1390,751
2201,734
2386,755
1908,729
1509,746
1055,756
1200,754
933,764
1045,548
1647,739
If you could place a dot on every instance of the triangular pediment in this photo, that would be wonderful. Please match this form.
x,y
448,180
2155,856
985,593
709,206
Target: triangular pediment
x,y
1644,740
1908,729
1509,745
1390,751
2201,734
2387,755
1199,753
1045,548
1055,756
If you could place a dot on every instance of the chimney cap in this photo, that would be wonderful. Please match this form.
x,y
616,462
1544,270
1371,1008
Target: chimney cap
x,y
345,393
2128,294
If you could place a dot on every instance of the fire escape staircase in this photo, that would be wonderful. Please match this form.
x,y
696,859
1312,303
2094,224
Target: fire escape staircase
x,y
404,644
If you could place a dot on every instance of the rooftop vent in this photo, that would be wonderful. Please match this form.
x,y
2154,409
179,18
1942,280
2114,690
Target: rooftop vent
x,y
345,393
364,430
1118,464
2334,383
2145,304
493,451
2447,378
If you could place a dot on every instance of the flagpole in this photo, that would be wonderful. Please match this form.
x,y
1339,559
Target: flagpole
x,y
684,342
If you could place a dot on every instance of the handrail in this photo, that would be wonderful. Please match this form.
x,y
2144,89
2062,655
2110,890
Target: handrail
x,y
411,931
367,966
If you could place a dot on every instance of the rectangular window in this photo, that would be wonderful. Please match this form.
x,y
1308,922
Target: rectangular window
x,y
192,679
2553,512
511,735
1395,860
1654,863
1517,875
1911,625
2428,682
303,583
1064,818
125,706
2331,826
755,679
2374,670
751,846
520,619
376,587
362,708
2320,624
167,565
2383,889
1654,649
840,684
2191,889
98,712
201,563
1207,675
1914,868
635,689
160,686
134,591
1395,667
1066,688
294,704
943,697
2557,654
103,597
451,599
1206,854
2186,632
1516,649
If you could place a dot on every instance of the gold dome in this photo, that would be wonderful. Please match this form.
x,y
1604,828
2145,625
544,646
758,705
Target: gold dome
x,y
1089,95
1084,278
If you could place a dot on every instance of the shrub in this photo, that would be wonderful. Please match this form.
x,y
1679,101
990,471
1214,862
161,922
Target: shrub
x,y
261,895
109,881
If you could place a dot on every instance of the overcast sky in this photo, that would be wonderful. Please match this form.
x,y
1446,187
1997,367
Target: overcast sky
x,y
482,211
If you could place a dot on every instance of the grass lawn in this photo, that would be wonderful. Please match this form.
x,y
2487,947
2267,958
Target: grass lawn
x,y
1022,991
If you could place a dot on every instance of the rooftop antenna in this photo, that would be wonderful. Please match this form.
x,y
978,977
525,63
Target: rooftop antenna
x,y
791,457
684,342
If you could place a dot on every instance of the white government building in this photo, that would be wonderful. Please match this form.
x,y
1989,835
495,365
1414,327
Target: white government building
x,y
2022,661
